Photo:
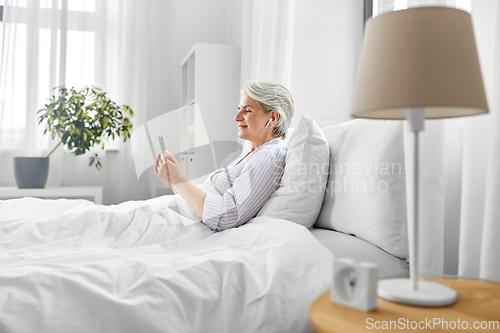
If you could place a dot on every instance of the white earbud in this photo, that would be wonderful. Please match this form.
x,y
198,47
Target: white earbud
x,y
268,123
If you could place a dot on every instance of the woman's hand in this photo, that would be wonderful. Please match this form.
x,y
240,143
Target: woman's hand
x,y
168,169
162,172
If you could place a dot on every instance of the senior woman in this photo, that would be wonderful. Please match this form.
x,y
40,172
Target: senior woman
x,y
246,183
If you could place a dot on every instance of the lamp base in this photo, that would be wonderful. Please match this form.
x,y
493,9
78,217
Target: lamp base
x,y
428,293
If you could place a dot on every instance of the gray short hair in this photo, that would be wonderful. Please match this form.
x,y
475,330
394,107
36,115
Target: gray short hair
x,y
272,96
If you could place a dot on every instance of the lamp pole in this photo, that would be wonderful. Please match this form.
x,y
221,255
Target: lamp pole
x,y
415,116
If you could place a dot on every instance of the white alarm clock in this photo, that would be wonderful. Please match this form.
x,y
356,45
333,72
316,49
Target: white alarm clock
x,y
355,284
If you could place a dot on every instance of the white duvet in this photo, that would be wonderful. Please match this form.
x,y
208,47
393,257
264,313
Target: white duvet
x,y
72,266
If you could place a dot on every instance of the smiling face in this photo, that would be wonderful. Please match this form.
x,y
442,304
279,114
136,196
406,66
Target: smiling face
x,y
252,122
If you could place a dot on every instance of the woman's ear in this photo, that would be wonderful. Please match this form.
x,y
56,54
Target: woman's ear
x,y
276,115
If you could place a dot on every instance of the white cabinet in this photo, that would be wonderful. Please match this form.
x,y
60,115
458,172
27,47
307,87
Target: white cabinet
x,y
210,75
187,164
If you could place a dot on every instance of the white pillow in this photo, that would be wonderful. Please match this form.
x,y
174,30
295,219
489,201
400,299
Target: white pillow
x,y
366,191
302,187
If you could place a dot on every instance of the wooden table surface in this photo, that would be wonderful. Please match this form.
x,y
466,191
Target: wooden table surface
x,y
478,302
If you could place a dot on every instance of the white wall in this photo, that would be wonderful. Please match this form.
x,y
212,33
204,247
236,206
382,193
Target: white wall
x,y
185,23
327,42
234,24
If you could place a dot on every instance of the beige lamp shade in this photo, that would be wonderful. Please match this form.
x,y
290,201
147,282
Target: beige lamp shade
x,y
419,57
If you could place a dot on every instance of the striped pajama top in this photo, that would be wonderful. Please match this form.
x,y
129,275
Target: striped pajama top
x,y
245,183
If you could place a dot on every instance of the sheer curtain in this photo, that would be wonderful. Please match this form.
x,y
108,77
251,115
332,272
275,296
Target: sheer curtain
x,y
479,242
25,81
460,167
48,43
267,42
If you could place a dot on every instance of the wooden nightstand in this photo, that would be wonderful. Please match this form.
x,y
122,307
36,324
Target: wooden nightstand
x,y
478,303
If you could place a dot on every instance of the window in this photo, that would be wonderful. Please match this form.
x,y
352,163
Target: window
x,y
35,63
376,7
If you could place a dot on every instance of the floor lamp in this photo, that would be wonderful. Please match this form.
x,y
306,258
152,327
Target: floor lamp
x,y
415,64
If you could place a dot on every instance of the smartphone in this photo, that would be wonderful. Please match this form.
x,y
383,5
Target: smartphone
x,y
162,144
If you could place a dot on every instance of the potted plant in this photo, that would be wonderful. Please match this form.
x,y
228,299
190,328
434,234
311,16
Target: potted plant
x,y
81,119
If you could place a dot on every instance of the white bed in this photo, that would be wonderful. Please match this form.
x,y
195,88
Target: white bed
x,y
72,266
140,266
348,246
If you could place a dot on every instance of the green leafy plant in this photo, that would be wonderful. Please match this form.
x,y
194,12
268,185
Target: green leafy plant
x,y
84,118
